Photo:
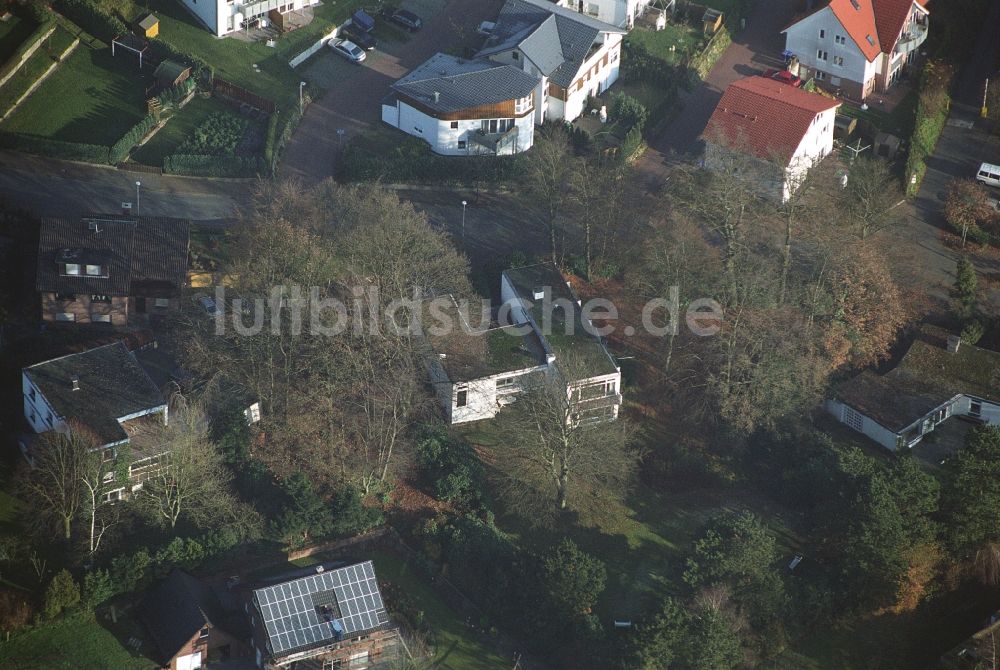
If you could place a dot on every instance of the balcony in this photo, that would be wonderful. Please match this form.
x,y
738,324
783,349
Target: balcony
x,y
911,39
495,143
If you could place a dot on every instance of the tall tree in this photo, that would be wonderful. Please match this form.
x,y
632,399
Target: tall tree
x,y
966,205
971,494
868,204
547,174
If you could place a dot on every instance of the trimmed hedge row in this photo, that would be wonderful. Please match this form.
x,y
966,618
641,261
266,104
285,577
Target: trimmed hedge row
x,y
280,127
16,59
172,96
211,166
411,160
121,148
30,144
931,115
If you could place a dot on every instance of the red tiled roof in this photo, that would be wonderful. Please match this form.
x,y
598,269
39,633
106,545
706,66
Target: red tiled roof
x,y
766,116
890,15
858,19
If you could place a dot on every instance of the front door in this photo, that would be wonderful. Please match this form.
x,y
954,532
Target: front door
x,y
140,305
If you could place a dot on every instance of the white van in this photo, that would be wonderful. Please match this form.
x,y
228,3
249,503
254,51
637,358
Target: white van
x,y
989,175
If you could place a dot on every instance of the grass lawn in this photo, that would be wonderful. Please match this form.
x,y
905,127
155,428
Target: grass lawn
x,y
456,648
180,126
78,641
92,98
681,36
899,121
233,58
13,32
34,67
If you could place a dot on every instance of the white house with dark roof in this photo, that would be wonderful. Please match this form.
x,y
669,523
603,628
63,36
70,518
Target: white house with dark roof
x,y
104,390
222,17
939,377
621,13
859,47
572,55
544,341
464,107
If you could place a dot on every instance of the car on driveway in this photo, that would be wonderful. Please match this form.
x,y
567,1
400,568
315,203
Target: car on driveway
x,y
363,39
348,50
407,19
208,304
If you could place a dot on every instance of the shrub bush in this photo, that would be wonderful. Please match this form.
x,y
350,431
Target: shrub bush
x,y
30,144
211,166
89,16
121,148
218,135
16,610
452,469
931,115
172,96
97,588
14,60
62,593
628,111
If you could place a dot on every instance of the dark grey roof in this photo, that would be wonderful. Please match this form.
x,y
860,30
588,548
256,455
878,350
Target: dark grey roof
x,y
175,610
556,39
462,83
578,347
321,609
144,256
111,383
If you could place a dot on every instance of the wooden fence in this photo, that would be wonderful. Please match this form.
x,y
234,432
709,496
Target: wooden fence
x,y
231,90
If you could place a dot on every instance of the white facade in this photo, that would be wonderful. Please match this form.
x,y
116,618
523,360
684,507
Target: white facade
x,y
482,398
621,13
454,137
219,16
814,147
961,405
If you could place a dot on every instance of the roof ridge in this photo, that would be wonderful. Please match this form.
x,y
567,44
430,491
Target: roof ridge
x,y
77,353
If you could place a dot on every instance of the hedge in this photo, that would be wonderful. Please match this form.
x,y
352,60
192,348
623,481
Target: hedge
x,y
15,60
172,96
931,115
30,144
86,15
280,127
211,166
121,148
411,160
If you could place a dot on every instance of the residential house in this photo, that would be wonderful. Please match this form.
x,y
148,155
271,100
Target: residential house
x,y
326,618
939,377
112,270
571,55
462,107
858,47
222,17
783,129
547,341
189,626
621,13
105,390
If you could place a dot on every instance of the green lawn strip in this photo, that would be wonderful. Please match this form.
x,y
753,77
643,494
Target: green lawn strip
x,y
456,648
34,67
177,129
682,37
233,58
77,641
92,98
13,32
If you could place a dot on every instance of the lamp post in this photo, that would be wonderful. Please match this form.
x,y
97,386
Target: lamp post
x,y
464,203
301,84
137,185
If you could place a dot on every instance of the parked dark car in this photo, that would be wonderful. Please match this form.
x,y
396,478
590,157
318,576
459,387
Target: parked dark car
x,y
363,39
407,19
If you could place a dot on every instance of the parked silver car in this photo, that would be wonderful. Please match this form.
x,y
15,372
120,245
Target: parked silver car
x,y
348,50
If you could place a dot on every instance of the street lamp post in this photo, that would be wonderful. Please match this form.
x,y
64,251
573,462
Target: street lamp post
x,y
301,84
137,185
464,203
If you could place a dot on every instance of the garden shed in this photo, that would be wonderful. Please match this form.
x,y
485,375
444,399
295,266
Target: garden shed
x,y
170,73
712,21
148,26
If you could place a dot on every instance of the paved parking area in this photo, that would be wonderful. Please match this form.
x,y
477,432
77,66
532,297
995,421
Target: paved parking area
x,y
354,94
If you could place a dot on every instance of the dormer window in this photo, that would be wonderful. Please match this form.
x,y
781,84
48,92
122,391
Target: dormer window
x,y
100,298
71,269
93,270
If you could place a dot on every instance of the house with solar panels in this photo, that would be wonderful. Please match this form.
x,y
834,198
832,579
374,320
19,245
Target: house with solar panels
x,y
330,618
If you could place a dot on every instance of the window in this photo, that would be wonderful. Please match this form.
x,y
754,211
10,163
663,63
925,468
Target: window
x,y
65,316
593,9
521,105
821,55
461,144
976,408
822,34
462,398
93,270
98,297
48,418
870,39
838,61
840,39
454,124
31,393
67,297
113,496
505,382
515,55
418,129
108,455
853,419
203,634
821,75
161,302
71,269
100,318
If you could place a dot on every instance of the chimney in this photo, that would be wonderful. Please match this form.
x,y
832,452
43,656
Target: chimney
x,y
319,569
437,97
75,382
538,293
953,343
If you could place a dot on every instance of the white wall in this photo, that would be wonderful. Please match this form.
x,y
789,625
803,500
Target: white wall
x,y
874,430
40,407
443,139
483,395
815,145
212,13
803,40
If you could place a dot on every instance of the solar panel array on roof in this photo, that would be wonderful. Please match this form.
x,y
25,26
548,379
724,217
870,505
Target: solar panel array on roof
x,y
293,618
